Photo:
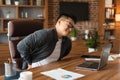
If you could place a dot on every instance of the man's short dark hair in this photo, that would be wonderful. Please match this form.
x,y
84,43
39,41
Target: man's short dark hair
x,y
68,16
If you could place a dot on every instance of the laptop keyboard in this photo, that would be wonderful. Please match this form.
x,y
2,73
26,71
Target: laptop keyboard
x,y
89,64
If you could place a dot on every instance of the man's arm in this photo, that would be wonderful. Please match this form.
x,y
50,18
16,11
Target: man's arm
x,y
28,44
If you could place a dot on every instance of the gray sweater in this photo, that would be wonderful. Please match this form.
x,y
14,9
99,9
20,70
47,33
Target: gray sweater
x,y
40,44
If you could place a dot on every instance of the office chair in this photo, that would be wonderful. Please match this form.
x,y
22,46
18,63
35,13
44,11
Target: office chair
x,y
17,30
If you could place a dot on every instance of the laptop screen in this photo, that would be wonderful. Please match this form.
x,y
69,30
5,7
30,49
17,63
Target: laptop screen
x,y
104,55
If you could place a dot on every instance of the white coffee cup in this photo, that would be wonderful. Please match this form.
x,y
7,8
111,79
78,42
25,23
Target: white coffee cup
x,y
26,75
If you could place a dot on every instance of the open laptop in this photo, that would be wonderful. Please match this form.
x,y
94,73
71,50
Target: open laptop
x,y
92,65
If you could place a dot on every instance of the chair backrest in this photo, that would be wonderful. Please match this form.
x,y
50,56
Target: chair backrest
x,y
17,30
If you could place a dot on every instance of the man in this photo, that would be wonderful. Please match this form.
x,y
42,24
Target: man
x,y
47,45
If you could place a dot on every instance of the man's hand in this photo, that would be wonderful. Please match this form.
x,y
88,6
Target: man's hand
x,y
29,66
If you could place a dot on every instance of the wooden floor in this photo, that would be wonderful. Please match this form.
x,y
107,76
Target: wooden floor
x,y
4,53
2,69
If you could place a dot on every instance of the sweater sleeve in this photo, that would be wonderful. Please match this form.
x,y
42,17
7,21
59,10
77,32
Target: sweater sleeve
x,y
67,51
26,46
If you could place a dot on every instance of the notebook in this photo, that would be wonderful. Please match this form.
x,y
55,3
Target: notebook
x,y
92,65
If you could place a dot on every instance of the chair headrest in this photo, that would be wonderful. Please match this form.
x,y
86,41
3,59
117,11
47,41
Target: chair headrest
x,y
23,27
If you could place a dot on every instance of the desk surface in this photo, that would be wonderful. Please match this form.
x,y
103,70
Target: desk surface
x,y
110,72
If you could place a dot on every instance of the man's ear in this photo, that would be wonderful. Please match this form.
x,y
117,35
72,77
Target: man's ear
x,y
59,22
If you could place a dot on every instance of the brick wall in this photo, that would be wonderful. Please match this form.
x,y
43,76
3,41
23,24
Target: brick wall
x,y
53,12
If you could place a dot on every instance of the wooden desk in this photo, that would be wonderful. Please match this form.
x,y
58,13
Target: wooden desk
x,y
110,72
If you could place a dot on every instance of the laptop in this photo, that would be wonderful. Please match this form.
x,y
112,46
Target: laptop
x,y
93,65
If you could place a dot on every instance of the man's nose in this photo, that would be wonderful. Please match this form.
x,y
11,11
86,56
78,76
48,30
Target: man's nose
x,y
70,29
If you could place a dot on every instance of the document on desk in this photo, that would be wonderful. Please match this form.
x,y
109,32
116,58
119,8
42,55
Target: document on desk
x,y
61,74
114,56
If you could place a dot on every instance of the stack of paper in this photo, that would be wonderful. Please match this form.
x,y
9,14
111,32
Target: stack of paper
x,y
61,74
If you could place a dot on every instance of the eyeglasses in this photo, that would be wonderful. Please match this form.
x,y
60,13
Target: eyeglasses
x,y
70,25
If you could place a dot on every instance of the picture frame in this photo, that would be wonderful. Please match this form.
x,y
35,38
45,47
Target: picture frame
x,y
108,3
8,2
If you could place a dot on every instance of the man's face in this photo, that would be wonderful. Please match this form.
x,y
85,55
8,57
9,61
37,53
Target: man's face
x,y
65,26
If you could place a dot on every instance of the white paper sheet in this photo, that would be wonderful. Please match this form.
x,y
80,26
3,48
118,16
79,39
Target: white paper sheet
x,y
114,56
109,59
61,74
